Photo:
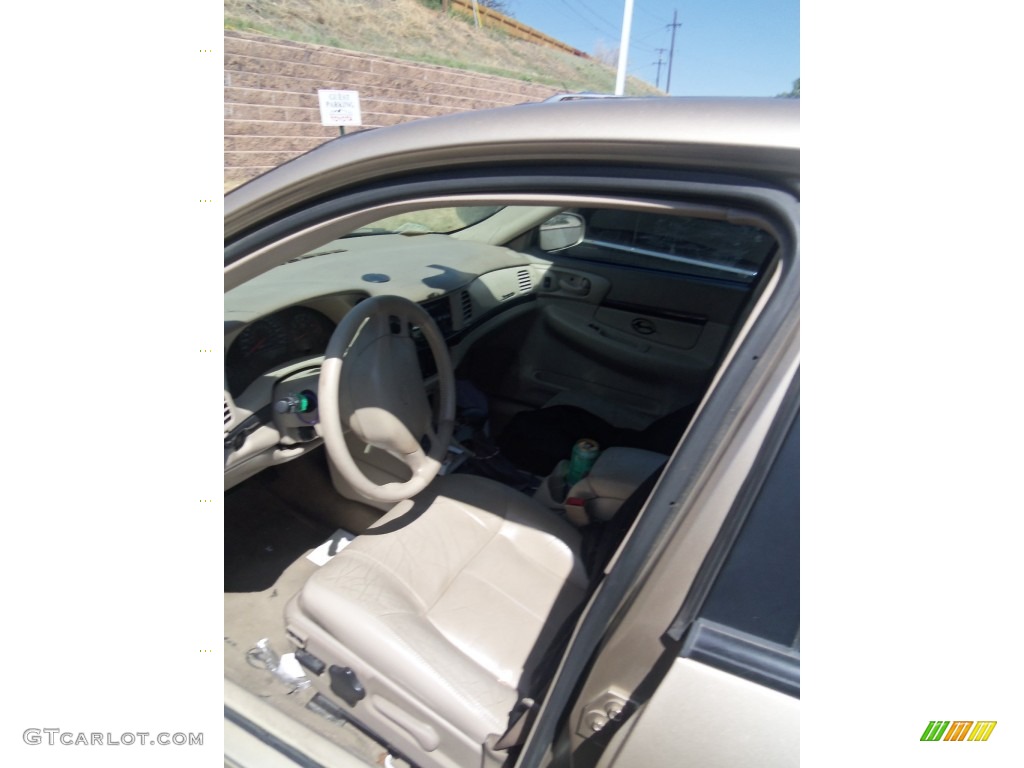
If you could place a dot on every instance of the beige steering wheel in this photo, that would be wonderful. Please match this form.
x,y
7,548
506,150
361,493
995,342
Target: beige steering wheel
x,y
371,384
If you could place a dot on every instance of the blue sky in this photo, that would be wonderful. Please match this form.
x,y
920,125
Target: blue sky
x,y
723,47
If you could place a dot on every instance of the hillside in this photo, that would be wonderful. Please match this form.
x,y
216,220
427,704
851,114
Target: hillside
x,y
408,29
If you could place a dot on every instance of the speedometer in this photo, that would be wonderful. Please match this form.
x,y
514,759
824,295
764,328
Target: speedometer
x,y
265,339
268,343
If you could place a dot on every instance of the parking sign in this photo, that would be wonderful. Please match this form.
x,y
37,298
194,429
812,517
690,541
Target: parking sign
x,y
340,108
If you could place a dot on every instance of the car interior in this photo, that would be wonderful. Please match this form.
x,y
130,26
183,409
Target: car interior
x,y
438,429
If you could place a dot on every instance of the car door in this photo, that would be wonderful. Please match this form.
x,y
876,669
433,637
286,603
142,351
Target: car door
x,y
701,665
617,647
731,694
638,313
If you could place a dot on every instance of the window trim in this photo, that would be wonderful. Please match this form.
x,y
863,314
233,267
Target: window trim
x,y
744,655
718,555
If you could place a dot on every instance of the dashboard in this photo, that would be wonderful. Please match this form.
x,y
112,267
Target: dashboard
x,y
278,325
273,340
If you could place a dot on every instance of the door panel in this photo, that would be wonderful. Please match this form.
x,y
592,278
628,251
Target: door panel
x,y
645,342
597,350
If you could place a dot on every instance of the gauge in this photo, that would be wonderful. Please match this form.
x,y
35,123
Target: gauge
x,y
266,339
310,332
270,342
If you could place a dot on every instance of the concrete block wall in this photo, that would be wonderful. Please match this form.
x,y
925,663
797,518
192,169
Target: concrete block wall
x,y
271,111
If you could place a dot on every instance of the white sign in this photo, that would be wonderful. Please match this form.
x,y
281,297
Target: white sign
x,y
340,108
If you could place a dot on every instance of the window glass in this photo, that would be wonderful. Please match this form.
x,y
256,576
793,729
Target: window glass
x,y
758,588
680,244
439,220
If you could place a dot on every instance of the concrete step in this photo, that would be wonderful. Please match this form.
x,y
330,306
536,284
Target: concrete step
x,y
278,128
281,114
302,78
306,118
274,143
357,75
234,176
247,44
239,107
269,98
455,102
249,159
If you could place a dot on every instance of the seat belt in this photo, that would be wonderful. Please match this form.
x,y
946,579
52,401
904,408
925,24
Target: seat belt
x,y
516,733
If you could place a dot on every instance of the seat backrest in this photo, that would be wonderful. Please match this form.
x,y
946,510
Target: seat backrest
x,y
600,541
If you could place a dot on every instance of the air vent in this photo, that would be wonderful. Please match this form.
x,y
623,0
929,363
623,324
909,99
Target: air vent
x,y
467,307
229,415
525,283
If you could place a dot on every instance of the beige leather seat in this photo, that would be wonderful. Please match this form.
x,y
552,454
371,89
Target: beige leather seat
x,y
439,610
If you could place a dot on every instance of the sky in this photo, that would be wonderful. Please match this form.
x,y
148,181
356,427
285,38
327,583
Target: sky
x,y
722,48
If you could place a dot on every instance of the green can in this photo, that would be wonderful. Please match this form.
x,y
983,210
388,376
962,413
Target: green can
x,y
584,454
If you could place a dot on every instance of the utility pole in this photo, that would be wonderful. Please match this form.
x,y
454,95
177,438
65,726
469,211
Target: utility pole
x,y
627,23
659,62
671,51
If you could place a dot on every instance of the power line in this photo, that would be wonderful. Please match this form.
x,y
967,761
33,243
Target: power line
x,y
651,14
638,44
576,16
610,29
652,34
566,13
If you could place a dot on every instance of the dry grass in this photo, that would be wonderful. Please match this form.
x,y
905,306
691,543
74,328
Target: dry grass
x,y
406,29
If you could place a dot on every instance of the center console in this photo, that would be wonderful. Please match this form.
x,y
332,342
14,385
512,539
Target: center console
x,y
597,497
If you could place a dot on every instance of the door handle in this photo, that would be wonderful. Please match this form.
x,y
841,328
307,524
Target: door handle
x,y
574,284
643,326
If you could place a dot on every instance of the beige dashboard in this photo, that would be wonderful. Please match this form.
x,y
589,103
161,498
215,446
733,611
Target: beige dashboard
x,y
276,326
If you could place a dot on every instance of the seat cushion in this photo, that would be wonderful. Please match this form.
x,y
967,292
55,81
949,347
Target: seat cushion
x,y
453,596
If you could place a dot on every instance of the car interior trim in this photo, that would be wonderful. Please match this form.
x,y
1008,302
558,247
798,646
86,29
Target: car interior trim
x,y
743,193
299,757
664,314
743,654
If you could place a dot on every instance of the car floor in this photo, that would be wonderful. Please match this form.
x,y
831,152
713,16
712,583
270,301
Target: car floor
x,y
269,528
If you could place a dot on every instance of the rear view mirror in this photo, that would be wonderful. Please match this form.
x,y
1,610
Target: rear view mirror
x,y
561,231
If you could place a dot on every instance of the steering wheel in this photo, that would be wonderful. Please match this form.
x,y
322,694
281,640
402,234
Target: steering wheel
x,y
370,382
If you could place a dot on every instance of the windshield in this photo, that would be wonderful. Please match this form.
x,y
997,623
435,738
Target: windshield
x,y
441,221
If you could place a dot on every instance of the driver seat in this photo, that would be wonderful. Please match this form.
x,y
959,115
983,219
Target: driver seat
x,y
422,629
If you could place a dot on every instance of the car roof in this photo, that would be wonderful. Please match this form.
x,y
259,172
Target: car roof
x,y
581,95
757,137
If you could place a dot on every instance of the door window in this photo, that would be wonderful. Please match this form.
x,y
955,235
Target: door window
x,y
680,244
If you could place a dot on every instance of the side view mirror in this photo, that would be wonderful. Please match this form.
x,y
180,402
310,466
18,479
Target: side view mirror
x,y
561,231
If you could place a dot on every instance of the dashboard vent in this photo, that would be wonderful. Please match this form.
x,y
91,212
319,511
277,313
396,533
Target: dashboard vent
x,y
525,283
229,414
467,307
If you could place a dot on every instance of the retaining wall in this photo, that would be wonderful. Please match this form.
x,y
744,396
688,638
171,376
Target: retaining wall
x,y
271,110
